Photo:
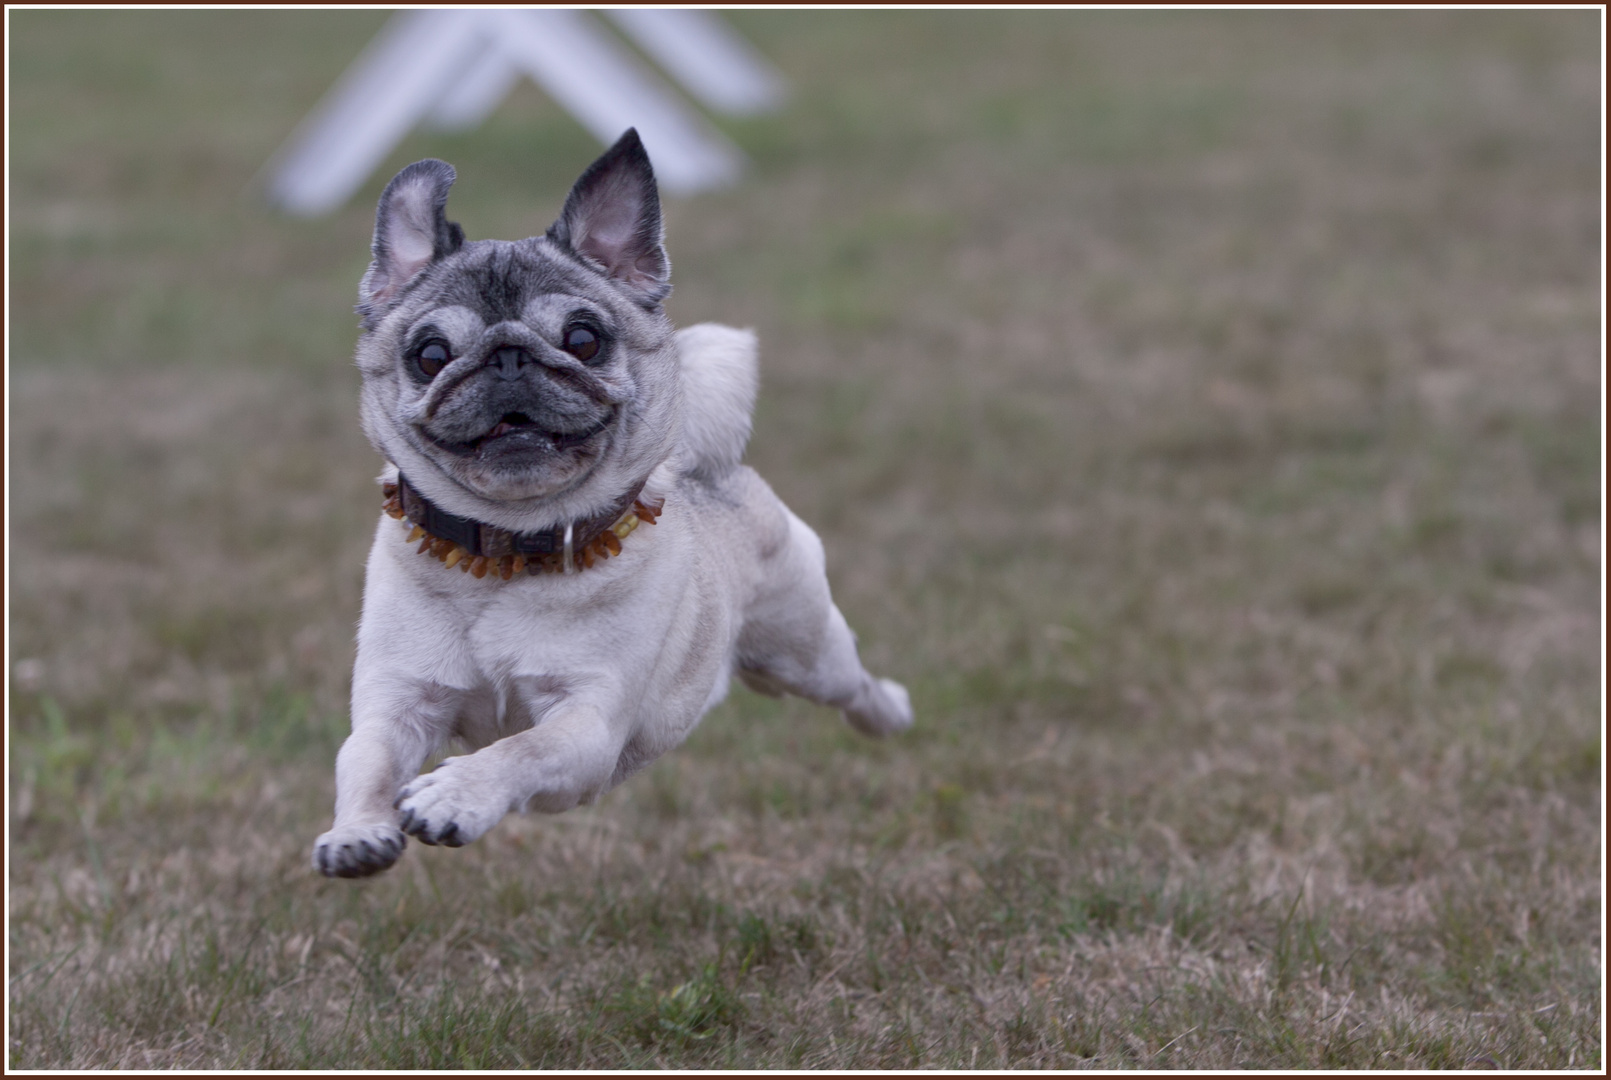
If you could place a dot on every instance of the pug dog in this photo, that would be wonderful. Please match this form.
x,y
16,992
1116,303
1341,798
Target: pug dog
x,y
572,563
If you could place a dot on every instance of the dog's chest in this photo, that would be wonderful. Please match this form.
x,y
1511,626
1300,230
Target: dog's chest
x,y
503,699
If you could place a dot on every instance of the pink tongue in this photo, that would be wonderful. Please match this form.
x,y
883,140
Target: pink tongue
x,y
499,430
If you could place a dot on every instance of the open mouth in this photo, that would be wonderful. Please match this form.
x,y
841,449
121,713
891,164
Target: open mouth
x,y
515,421
516,431
525,429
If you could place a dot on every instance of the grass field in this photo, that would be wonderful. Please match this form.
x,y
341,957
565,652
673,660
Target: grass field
x,y
1202,412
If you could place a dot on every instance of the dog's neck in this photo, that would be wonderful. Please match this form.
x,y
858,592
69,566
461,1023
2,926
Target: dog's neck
x,y
478,548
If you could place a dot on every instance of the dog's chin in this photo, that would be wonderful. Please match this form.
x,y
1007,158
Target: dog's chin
x,y
504,484
520,464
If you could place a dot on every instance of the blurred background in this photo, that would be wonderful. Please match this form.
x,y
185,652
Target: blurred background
x,y
1201,410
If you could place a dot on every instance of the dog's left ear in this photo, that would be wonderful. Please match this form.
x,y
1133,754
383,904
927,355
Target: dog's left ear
x,y
612,217
411,232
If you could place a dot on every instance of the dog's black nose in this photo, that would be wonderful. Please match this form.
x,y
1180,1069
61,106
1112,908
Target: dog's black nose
x,y
508,361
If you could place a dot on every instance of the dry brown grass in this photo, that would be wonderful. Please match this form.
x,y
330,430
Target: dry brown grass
x,y
1201,412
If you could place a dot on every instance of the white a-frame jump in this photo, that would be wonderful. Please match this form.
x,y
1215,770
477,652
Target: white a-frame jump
x,y
453,67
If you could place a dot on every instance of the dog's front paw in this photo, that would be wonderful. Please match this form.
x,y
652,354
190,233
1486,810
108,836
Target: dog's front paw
x,y
358,850
450,805
883,707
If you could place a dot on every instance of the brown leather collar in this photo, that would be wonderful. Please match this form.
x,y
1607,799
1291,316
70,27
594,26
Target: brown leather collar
x,y
482,548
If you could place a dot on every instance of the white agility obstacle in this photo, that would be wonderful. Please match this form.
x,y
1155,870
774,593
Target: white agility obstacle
x,y
452,68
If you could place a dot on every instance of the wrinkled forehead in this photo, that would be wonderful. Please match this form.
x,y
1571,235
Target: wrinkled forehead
x,y
501,280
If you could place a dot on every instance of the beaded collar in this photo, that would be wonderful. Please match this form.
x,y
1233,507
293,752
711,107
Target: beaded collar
x,y
479,549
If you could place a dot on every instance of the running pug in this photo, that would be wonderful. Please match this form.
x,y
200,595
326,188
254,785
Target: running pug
x,y
573,563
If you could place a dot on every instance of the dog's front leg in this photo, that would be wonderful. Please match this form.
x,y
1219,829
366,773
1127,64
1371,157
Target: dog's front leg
x,y
392,735
567,759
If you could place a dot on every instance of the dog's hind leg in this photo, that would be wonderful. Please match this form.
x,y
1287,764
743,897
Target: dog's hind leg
x,y
795,639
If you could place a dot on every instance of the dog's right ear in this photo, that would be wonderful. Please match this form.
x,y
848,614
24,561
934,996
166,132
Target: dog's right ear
x,y
411,232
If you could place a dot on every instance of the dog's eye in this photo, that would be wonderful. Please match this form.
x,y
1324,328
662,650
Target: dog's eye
x,y
431,358
581,342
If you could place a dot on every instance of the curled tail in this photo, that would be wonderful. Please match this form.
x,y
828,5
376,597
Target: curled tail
x,y
719,382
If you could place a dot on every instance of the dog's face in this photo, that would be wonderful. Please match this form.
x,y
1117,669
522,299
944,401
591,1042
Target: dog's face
x,y
521,383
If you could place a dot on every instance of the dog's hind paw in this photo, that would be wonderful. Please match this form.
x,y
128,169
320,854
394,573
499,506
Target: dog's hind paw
x,y
882,707
358,850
